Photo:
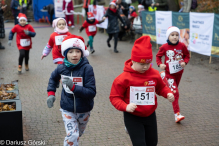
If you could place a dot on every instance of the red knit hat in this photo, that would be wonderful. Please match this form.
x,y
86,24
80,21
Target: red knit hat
x,y
21,16
142,50
90,15
74,41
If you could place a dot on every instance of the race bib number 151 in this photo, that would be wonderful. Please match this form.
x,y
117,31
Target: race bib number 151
x,y
142,95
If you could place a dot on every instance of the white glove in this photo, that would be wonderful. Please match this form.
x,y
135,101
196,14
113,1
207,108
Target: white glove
x,y
9,42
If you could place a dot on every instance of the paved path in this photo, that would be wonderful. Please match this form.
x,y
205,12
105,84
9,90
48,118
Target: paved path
x,y
199,97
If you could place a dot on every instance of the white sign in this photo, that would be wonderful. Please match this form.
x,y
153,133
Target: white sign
x,y
59,39
76,80
25,42
58,8
142,95
99,12
163,22
201,31
174,67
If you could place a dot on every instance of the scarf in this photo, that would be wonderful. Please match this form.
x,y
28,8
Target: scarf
x,y
90,22
113,10
169,43
69,64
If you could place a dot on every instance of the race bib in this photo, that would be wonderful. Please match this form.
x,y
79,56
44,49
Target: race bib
x,y
76,80
59,39
174,67
142,95
92,28
25,42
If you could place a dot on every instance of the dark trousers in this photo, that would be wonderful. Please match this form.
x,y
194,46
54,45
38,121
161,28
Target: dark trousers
x,y
142,130
15,18
24,54
115,35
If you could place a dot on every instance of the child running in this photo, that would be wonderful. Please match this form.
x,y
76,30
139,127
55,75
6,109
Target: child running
x,y
176,58
23,39
55,40
91,29
79,89
133,92
113,25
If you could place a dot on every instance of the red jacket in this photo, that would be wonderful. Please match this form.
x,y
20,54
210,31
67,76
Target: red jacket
x,y
133,14
69,8
173,53
120,91
91,29
21,35
56,51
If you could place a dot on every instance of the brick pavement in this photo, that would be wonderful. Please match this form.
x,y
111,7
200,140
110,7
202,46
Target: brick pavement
x,y
198,97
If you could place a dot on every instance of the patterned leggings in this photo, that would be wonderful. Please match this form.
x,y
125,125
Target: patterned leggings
x,y
75,124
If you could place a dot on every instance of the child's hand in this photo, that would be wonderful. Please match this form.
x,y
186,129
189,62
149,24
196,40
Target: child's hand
x,y
9,42
183,64
170,97
68,82
104,18
43,57
162,66
50,100
26,32
131,107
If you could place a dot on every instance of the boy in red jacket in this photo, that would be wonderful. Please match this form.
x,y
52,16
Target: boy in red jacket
x,y
23,39
91,29
133,92
176,57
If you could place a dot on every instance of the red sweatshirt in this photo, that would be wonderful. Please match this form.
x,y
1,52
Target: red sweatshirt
x,y
120,91
22,37
91,29
56,45
173,53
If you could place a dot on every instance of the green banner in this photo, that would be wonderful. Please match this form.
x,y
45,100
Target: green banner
x,y
181,20
149,25
215,39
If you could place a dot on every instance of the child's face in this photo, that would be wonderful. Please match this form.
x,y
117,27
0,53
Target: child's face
x,y
74,56
61,24
174,37
140,67
112,6
92,20
23,22
130,9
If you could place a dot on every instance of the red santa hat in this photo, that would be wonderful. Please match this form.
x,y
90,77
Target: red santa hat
x,y
142,50
172,29
113,3
90,15
140,6
21,16
74,42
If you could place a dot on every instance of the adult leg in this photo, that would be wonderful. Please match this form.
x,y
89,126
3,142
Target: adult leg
x,y
67,19
151,130
109,39
1,47
27,59
15,19
115,42
71,18
135,129
71,128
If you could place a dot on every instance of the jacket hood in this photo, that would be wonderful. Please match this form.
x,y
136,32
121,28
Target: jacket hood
x,y
128,68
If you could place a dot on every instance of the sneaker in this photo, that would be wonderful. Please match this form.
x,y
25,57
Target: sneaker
x,y
2,47
26,67
116,51
72,26
108,44
179,117
19,69
92,51
126,131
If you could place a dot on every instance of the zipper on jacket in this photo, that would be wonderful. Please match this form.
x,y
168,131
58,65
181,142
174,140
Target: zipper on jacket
x,y
74,99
